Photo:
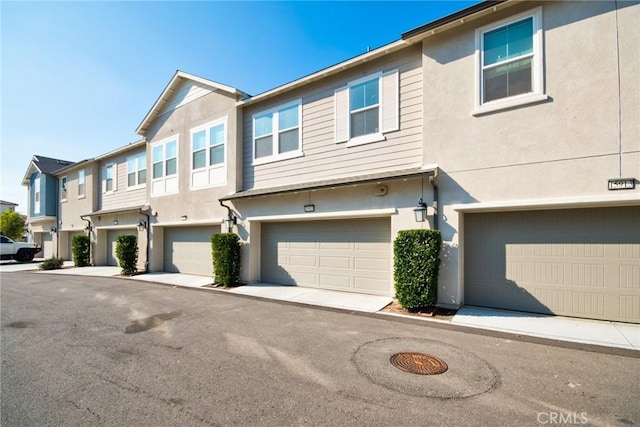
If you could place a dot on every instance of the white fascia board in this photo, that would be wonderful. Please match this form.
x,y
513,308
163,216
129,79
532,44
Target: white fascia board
x,y
632,199
131,146
367,213
360,59
170,88
188,223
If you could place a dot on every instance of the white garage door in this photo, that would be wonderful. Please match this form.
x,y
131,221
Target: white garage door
x,y
112,258
345,255
188,250
572,262
47,246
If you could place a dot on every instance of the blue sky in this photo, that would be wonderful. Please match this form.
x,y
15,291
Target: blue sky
x,y
78,77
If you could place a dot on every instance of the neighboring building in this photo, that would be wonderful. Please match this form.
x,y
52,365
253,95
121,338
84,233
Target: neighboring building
x,y
514,125
7,206
42,200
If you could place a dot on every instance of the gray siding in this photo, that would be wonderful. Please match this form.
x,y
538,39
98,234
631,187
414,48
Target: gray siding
x,y
121,196
323,158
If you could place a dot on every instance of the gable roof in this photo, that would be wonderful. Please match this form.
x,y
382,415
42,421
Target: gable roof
x,y
176,80
44,165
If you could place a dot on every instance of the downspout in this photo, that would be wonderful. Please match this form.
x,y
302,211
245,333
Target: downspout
x,y
82,217
146,262
432,180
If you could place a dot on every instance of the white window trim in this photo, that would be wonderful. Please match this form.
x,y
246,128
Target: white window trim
x,y
275,132
537,84
151,179
113,178
138,186
208,167
372,137
64,188
84,182
37,201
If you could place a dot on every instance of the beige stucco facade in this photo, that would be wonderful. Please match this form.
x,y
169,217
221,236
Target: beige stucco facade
x,y
188,205
559,150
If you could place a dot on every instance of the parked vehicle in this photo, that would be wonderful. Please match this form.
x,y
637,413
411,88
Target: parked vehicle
x,y
19,251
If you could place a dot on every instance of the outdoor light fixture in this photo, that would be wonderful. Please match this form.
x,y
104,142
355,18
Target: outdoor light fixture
x,y
309,208
87,229
115,222
183,217
53,230
142,225
231,221
421,211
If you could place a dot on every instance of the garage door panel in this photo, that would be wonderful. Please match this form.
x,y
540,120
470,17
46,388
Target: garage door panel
x,y
339,255
571,262
188,250
112,235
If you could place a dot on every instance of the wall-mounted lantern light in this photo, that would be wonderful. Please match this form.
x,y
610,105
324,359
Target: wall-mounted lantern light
x,y
87,229
142,225
183,217
53,231
230,221
115,222
420,211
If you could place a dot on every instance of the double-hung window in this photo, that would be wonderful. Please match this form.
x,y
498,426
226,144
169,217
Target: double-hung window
x,y
81,181
164,167
364,107
63,189
277,133
208,154
367,108
36,196
510,62
137,170
108,185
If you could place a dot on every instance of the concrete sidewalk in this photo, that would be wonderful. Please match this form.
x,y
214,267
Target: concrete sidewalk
x,y
597,332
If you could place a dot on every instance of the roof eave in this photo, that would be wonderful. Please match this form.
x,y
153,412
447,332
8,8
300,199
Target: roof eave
x,y
417,172
350,63
456,19
170,88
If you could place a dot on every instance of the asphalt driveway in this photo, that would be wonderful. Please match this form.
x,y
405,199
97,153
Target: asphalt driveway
x,y
109,351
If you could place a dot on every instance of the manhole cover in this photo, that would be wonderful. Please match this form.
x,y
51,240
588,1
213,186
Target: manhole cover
x,y
419,363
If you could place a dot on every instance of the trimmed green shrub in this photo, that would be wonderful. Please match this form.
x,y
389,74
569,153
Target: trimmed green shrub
x,y
416,265
225,251
127,253
80,250
52,263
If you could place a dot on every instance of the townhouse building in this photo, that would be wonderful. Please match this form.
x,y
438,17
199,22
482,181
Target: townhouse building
x,y
42,202
512,127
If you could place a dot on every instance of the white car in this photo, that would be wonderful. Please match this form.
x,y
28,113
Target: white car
x,y
20,251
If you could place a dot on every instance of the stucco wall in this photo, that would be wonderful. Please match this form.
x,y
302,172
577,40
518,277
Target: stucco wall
x,y
565,147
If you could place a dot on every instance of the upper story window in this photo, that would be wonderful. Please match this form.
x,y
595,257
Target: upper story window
x,y
108,185
367,108
164,167
364,107
81,183
277,133
510,62
208,154
63,189
36,195
136,170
